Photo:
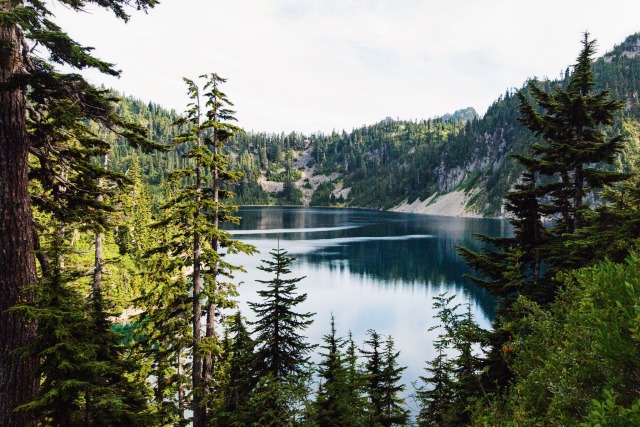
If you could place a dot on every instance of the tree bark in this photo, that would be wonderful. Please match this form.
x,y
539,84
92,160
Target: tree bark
x,y
199,410
210,331
18,380
99,258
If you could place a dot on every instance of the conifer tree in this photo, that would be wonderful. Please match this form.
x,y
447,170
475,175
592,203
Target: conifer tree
x,y
333,400
373,372
24,77
355,385
468,364
240,380
449,393
563,167
573,149
281,349
193,214
393,410
88,376
165,324
435,396
382,382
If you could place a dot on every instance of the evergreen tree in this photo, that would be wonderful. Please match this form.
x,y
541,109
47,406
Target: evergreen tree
x,y
27,80
393,410
382,378
88,377
355,385
448,395
467,366
166,327
562,169
573,149
333,400
435,397
240,379
281,350
373,372
194,213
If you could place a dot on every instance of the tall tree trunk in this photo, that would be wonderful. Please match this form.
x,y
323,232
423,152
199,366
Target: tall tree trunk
x,y
210,331
18,381
99,259
199,410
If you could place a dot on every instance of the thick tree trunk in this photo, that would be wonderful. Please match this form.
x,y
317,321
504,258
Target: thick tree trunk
x,y
18,381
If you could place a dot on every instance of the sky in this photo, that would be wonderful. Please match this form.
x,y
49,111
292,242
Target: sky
x,y
319,65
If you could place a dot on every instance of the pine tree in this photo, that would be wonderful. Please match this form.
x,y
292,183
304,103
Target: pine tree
x,y
382,382
281,350
235,392
393,410
563,167
573,149
194,213
26,80
333,400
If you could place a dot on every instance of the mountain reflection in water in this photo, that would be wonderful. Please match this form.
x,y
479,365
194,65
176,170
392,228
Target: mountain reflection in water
x,y
370,269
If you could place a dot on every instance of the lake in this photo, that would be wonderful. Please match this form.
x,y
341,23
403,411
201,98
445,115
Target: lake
x,y
370,269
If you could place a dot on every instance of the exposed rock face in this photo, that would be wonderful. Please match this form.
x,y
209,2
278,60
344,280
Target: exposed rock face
x,y
489,152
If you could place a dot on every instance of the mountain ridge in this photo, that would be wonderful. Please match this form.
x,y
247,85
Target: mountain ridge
x,y
397,164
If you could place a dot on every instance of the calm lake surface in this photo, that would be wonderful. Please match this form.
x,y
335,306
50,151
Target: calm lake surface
x,y
370,269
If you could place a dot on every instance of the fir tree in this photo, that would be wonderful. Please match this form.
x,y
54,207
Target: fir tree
x,y
561,170
393,410
281,350
88,376
573,149
193,214
333,400
435,397
382,382
28,81
448,395
240,379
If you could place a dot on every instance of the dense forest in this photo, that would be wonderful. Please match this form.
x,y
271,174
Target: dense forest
x,y
118,305
393,161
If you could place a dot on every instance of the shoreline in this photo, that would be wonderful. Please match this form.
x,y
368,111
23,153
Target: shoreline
x,y
448,205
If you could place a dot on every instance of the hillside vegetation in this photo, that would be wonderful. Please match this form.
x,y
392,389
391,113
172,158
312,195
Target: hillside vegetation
x,y
393,161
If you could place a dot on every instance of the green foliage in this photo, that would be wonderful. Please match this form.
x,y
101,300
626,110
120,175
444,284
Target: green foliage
x,y
584,346
448,395
238,381
607,413
282,362
88,376
323,196
382,382
281,349
339,399
561,171
191,220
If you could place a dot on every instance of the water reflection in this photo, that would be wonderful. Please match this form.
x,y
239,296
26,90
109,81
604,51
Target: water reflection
x,y
370,269
395,249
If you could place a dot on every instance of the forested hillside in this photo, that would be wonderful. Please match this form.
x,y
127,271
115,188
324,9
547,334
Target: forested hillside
x,y
393,161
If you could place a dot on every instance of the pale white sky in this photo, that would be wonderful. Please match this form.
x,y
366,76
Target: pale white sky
x,y
316,65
